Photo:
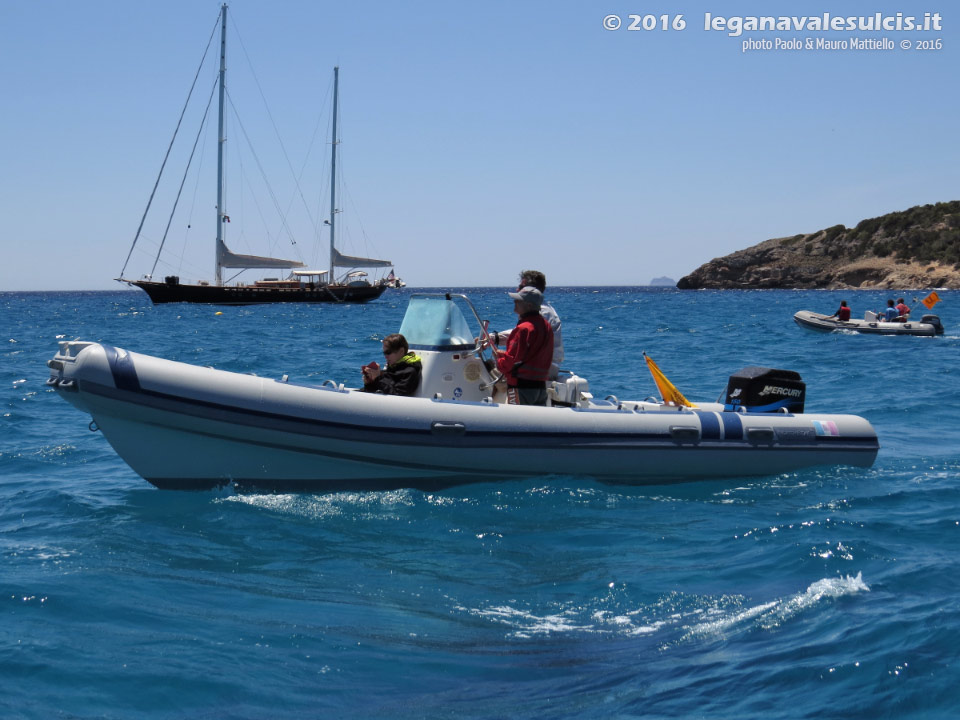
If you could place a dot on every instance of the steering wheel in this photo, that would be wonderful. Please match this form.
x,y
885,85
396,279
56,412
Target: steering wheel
x,y
485,343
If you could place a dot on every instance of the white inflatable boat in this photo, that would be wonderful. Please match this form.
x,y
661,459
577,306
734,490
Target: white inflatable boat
x,y
188,427
928,325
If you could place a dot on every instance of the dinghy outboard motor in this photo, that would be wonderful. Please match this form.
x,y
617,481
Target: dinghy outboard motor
x,y
935,321
760,389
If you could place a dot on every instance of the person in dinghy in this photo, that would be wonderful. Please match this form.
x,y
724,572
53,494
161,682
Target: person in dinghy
x,y
903,311
890,314
842,313
400,375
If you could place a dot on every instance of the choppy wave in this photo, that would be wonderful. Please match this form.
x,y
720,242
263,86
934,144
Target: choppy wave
x,y
675,619
772,614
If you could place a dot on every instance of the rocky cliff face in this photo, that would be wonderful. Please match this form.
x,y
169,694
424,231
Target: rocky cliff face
x,y
916,248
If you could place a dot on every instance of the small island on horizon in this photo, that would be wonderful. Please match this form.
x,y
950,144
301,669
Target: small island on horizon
x,y
915,248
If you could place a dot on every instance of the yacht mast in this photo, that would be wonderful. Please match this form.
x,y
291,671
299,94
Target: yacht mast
x,y
220,211
333,174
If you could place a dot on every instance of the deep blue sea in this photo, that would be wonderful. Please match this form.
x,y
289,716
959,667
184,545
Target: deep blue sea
x,y
831,593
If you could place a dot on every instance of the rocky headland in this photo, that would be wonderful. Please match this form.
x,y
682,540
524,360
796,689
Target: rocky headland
x,y
913,249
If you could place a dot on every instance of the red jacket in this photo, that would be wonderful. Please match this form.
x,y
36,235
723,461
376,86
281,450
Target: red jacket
x,y
529,350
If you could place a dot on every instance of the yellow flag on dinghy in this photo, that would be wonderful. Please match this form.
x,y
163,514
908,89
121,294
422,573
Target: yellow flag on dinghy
x,y
930,300
667,391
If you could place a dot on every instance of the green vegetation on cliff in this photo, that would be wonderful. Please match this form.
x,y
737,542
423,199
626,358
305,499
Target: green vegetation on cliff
x,y
926,233
919,247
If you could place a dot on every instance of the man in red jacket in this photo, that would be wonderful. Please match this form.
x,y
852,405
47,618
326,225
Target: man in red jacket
x,y
526,361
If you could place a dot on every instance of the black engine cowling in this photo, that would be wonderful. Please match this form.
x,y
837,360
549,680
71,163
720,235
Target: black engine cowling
x,y
933,320
760,389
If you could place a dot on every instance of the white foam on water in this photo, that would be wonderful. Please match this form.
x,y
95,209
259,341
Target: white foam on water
x,y
321,506
44,553
284,504
725,621
526,624
772,614
826,589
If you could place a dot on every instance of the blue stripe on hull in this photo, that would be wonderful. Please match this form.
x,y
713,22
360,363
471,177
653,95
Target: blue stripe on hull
x,y
122,369
732,426
709,425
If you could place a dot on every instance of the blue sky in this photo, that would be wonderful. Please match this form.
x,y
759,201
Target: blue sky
x,y
477,139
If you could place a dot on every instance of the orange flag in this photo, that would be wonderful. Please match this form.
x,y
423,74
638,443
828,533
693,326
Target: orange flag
x,y
930,300
669,393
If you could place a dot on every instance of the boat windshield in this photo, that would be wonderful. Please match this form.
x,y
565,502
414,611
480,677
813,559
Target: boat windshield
x,y
435,323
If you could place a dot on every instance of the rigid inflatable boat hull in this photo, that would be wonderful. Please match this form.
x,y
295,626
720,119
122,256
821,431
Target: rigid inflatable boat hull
x,y
183,426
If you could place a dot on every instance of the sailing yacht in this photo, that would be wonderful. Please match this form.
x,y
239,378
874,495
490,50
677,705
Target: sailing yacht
x,y
302,284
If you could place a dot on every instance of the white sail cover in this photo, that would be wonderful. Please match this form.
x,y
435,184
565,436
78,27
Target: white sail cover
x,y
341,260
228,259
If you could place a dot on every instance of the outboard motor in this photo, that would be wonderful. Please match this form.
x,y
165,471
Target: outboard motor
x,y
935,321
569,390
760,389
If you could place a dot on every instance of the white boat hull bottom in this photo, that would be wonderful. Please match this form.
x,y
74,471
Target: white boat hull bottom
x,y
186,427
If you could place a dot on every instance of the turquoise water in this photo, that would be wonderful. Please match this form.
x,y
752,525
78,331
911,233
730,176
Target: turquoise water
x,y
825,593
